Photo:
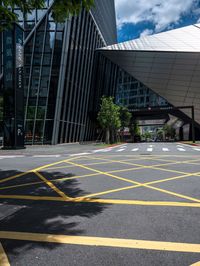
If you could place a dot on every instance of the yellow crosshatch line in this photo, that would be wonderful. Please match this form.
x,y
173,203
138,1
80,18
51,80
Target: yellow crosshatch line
x,y
106,161
138,183
155,167
102,241
84,199
37,169
52,186
3,257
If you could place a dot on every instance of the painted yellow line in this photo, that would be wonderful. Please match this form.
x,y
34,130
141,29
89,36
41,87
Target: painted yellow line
x,y
27,197
52,186
135,186
106,192
104,201
196,264
3,257
103,242
13,177
137,183
155,167
36,169
105,173
67,178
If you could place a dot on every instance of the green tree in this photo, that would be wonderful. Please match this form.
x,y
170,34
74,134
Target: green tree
x,y
169,131
109,116
61,9
160,134
125,117
134,129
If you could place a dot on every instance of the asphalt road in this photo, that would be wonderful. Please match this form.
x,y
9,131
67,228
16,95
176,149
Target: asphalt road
x,y
133,204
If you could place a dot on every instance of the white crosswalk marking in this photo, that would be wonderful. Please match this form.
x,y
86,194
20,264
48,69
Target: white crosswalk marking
x,y
120,150
165,149
149,149
196,149
11,156
180,149
45,156
135,149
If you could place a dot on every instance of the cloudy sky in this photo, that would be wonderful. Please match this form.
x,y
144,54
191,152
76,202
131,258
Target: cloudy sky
x,y
137,18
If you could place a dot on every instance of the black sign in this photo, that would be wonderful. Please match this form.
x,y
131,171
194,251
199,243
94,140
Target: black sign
x,y
13,88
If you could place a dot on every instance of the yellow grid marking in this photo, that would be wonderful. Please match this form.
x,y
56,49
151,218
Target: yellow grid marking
x,y
83,199
3,257
37,169
155,167
67,178
102,241
137,183
196,264
52,186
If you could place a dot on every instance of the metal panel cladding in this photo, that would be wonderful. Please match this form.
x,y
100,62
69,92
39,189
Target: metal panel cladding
x,y
104,15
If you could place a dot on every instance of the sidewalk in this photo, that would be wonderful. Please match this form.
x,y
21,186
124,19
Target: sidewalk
x,y
197,143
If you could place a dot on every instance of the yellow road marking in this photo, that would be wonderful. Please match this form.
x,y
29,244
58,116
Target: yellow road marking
x,y
27,197
3,257
104,201
67,178
52,186
155,167
137,183
102,241
136,186
106,192
196,264
36,169
87,164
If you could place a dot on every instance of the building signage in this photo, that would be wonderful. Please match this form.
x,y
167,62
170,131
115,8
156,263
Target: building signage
x,y
13,87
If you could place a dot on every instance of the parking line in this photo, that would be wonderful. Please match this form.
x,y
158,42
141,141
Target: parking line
x,y
3,257
102,242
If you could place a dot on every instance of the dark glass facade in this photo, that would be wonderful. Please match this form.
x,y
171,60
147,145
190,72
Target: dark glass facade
x,y
59,63
133,94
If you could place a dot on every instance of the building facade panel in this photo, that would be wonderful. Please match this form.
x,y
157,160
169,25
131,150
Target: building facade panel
x,y
58,71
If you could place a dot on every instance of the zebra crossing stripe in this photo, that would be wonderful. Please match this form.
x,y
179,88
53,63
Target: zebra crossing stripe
x,y
165,149
120,150
135,149
196,149
150,149
180,149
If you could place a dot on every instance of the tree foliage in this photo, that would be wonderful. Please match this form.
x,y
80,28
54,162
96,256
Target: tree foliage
x,y
61,9
169,131
125,117
109,116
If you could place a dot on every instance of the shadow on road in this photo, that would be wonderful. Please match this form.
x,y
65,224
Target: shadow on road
x,y
42,216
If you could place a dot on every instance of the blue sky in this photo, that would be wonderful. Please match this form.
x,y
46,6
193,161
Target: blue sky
x,y
136,18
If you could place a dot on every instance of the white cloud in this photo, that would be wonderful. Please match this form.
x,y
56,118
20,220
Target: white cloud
x,y
162,13
146,32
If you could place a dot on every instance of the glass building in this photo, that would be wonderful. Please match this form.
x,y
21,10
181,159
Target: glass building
x,y
59,63
132,93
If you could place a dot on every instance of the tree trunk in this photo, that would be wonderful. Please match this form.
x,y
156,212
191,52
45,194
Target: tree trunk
x,y
107,136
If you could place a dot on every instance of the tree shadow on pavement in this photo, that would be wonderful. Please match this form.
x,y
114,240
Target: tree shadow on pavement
x,y
42,216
